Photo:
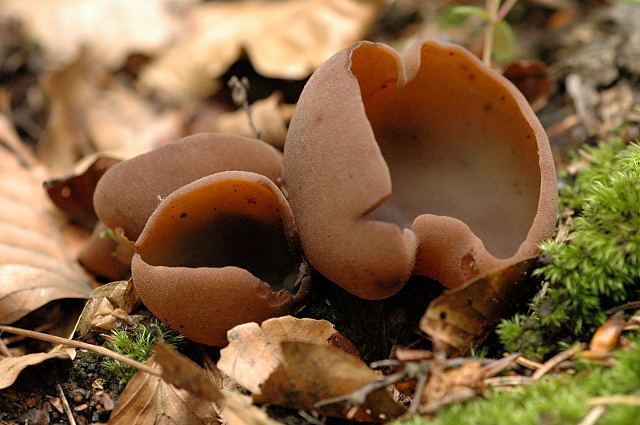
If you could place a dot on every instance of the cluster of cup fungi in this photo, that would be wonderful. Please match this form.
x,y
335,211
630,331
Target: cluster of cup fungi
x,y
426,163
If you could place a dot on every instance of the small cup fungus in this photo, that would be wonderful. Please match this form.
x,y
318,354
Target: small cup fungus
x,y
130,191
473,177
216,253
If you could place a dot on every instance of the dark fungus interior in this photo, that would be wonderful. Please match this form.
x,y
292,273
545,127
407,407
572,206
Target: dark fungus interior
x,y
229,223
456,143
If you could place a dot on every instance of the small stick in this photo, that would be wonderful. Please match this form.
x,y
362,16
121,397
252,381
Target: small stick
x,y
508,381
83,346
529,364
4,350
592,417
492,9
553,362
65,404
628,400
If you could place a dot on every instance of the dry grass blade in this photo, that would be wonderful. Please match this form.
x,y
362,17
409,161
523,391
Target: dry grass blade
x,y
553,362
34,267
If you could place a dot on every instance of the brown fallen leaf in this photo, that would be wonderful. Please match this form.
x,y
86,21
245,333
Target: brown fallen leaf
x,y
73,194
183,373
107,254
112,29
463,317
286,39
453,386
11,367
34,266
606,337
149,400
310,373
254,351
270,116
89,116
104,300
533,80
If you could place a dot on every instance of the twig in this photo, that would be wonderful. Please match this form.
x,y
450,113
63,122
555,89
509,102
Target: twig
x,y
417,396
553,362
83,346
628,400
508,381
311,419
240,96
65,404
626,306
529,364
492,9
358,397
592,417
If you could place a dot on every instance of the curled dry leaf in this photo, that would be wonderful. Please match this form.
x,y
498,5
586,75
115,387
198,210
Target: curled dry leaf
x,y
606,336
254,351
150,400
111,28
311,373
73,194
87,116
463,317
104,300
183,373
34,266
270,116
533,80
11,367
286,39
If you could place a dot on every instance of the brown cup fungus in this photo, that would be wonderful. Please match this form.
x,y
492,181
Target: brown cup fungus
x,y
130,191
216,253
470,165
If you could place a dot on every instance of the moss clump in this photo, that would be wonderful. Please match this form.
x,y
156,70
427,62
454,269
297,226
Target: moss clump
x,y
137,343
555,400
599,265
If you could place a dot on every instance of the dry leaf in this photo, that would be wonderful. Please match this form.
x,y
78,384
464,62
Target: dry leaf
x,y
286,39
463,317
183,373
311,373
87,117
111,29
34,267
606,337
11,367
453,386
73,194
104,300
269,115
150,400
533,81
254,351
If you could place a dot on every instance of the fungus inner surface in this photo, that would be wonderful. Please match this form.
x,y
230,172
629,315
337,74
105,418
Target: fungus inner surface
x,y
229,223
456,144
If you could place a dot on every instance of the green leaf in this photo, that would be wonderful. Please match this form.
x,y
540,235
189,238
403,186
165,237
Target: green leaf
x,y
457,15
504,42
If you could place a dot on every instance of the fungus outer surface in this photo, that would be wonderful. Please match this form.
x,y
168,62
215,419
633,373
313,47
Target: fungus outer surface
x,y
218,252
130,191
432,141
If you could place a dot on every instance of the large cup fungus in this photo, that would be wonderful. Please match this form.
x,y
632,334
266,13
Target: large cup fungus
x,y
216,253
472,173
130,191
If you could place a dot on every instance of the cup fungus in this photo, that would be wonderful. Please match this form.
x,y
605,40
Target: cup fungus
x,y
216,253
130,191
471,168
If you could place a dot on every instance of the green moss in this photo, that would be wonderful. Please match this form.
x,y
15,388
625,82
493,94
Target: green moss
x,y
555,400
599,266
137,343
